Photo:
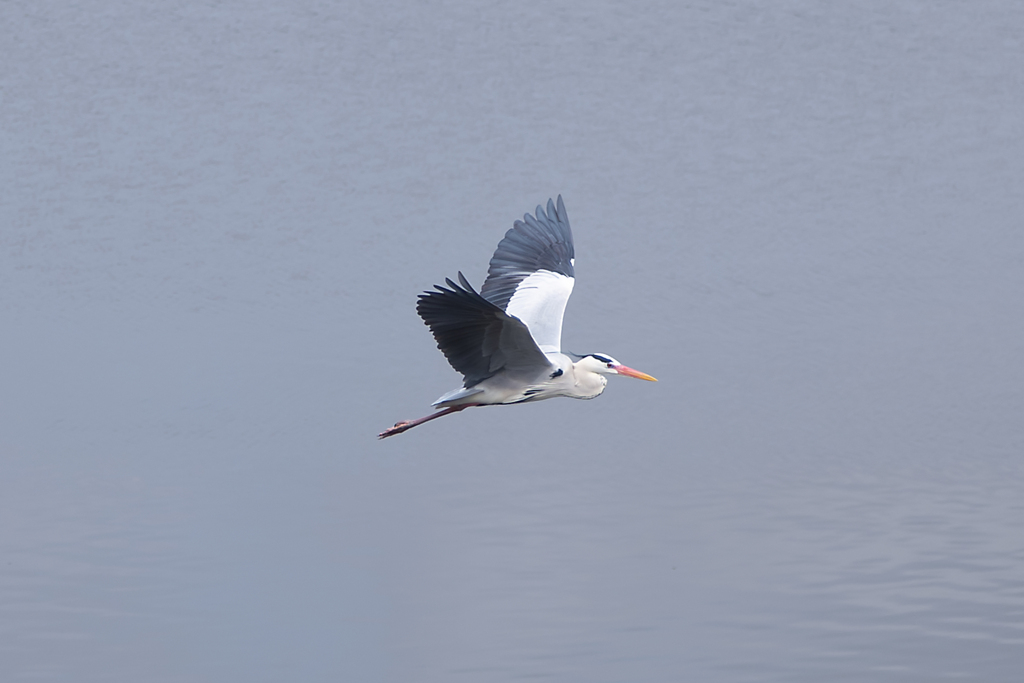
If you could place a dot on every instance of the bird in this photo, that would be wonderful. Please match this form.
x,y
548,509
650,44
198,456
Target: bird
x,y
506,339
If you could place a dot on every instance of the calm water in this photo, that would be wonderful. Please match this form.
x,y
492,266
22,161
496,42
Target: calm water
x,y
805,220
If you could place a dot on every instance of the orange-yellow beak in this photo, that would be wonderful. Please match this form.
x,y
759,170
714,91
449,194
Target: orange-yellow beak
x,y
630,372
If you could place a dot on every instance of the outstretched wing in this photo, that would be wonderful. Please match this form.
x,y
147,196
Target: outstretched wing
x,y
477,337
531,273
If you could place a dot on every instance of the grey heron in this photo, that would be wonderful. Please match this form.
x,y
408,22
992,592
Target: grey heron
x,y
506,340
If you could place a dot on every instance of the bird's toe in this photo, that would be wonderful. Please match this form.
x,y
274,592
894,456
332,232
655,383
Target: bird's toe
x,y
397,429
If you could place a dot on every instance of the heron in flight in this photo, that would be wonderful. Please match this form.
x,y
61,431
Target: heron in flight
x,y
506,340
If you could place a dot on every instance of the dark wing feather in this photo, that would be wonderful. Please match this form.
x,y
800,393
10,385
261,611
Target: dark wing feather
x,y
478,338
536,243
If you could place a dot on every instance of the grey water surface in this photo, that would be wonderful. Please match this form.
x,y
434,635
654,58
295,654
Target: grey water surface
x,y
806,219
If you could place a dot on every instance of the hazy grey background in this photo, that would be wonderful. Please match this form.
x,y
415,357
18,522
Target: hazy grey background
x,y
804,218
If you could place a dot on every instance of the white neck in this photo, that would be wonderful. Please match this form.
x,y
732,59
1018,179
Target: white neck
x,y
587,383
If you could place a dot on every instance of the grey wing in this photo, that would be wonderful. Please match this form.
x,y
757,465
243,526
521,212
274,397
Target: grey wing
x,y
531,274
478,338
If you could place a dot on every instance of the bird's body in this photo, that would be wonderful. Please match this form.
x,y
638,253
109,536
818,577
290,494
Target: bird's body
x,y
559,378
506,339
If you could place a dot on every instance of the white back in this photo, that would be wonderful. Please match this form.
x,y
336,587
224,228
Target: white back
x,y
539,301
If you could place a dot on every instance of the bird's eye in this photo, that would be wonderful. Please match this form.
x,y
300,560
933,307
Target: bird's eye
x,y
610,364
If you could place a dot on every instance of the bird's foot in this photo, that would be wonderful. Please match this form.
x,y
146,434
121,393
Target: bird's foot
x,y
397,429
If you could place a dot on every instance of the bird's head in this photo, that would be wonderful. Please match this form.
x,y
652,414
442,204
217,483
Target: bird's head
x,y
603,364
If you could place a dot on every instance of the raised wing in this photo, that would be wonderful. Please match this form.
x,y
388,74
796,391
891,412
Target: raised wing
x,y
531,273
477,337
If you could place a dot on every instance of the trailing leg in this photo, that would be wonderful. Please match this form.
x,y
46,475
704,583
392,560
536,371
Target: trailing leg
x,y
409,424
